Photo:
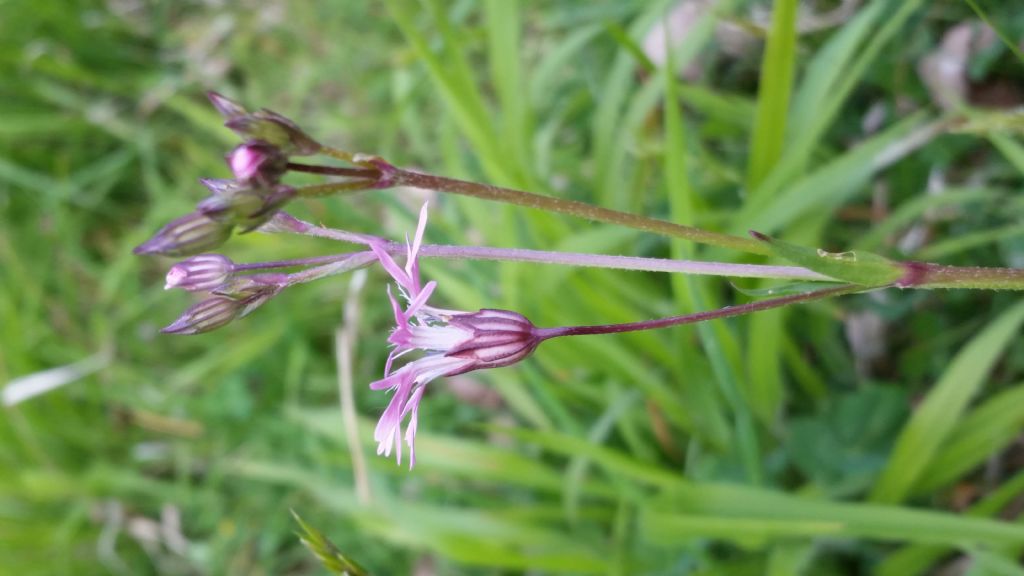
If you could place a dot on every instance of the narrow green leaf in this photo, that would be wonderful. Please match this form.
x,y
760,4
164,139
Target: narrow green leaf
x,y
781,290
965,242
988,563
790,558
916,559
1010,148
669,529
825,188
1009,42
774,91
858,267
983,432
691,293
937,416
912,209
332,559
831,79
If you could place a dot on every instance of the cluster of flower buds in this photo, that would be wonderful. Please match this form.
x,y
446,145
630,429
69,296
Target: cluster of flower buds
x,y
231,296
255,193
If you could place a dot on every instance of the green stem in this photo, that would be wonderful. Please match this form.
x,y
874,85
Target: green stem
x,y
334,188
391,176
927,275
574,208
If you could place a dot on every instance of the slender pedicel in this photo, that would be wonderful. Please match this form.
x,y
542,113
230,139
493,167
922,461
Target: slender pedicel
x,y
296,263
727,312
368,173
287,223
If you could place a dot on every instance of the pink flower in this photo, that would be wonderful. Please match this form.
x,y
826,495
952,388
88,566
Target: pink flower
x,y
453,342
257,162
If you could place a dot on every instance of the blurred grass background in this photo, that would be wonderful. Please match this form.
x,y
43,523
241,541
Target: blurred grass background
x,y
875,434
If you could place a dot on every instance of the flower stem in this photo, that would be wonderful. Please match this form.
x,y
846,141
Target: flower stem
x,y
449,252
574,208
727,312
289,263
333,188
927,275
615,262
351,262
368,173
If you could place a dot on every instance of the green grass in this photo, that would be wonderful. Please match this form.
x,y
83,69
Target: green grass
x,y
758,445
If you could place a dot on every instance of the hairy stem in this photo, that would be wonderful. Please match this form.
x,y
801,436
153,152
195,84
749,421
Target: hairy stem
x,y
927,275
450,252
574,208
616,262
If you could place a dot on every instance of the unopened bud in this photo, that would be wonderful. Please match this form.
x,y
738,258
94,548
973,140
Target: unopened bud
x,y
248,208
191,234
224,186
496,338
271,127
200,273
253,290
235,299
257,161
227,107
207,315
265,125
243,287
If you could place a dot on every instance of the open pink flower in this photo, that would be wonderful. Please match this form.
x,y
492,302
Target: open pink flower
x,y
453,342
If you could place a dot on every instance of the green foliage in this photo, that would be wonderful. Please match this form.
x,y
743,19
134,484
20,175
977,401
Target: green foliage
x,y
333,560
855,266
876,433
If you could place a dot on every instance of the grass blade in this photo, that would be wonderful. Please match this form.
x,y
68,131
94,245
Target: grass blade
x,y
937,416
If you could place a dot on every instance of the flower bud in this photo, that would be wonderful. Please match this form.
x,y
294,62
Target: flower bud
x,y
231,207
206,315
223,186
265,125
271,127
243,287
191,234
248,208
200,273
228,108
235,299
497,338
257,161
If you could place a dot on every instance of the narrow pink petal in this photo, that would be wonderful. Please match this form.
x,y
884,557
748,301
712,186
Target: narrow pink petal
x,y
410,431
387,365
389,427
395,355
388,382
421,226
400,318
412,267
421,298
397,439
389,264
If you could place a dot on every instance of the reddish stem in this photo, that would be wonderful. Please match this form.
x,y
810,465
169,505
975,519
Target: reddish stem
x,y
368,173
728,311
